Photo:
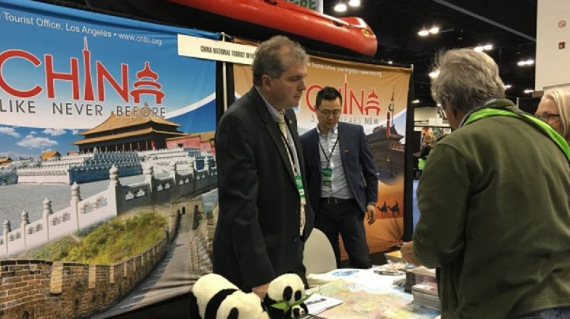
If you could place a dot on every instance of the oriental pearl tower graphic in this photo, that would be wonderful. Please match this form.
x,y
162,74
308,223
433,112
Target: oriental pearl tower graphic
x,y
88,82
389,119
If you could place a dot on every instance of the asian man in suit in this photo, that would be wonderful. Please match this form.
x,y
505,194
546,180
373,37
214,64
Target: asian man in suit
x,y
343,186
264,216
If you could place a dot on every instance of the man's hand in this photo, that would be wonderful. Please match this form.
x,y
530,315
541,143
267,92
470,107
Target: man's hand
x,y
371,213
407,251
260,291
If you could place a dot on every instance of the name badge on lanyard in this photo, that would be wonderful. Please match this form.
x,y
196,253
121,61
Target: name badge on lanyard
x,y
327,177
300,188
327,172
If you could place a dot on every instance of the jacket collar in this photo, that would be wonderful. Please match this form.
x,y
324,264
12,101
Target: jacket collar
x,y
505,104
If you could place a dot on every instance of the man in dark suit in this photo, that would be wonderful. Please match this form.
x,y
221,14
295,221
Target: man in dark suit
x,y
264,217
343,186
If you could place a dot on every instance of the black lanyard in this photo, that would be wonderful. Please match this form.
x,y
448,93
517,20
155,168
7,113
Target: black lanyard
x,y
328,158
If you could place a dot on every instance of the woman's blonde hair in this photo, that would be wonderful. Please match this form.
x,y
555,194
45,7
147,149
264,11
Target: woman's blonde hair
x,y
561,98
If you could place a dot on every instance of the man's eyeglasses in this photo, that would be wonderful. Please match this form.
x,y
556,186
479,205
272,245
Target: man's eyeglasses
x,y
547,117
328,113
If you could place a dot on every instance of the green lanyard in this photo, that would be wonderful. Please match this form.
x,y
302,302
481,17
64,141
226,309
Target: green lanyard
x,y
545,128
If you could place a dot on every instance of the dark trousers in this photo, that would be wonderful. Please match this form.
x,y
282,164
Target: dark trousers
x,y
344,217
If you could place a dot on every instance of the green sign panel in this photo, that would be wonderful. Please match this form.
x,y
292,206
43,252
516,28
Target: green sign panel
x,y
311,4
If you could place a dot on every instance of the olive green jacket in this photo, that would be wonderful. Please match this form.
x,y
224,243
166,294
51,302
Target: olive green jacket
x,y
495,219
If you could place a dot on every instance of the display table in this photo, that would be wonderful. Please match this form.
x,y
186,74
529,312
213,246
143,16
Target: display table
x,y
367,295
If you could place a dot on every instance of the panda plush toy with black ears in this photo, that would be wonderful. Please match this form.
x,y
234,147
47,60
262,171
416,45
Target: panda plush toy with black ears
x,y
285,297
215,297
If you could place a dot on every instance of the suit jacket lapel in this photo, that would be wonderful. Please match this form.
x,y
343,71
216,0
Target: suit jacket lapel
x,y
341,141
272,128
317,148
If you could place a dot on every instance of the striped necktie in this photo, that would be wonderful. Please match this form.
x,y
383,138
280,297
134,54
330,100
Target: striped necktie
x,y
285,134
282,125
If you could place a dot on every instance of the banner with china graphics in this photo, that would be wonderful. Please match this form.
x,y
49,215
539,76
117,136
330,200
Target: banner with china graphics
x,y
107,162
376,97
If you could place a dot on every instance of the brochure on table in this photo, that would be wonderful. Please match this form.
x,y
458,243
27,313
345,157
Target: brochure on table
x,y
318,303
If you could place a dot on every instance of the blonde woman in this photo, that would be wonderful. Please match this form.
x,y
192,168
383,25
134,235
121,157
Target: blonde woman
x,y
554,109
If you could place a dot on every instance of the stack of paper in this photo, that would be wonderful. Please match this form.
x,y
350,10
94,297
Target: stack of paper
x,y
425,294
418,275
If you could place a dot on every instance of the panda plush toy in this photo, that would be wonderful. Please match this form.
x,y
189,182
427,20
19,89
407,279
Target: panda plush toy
x,y
285,297
214,297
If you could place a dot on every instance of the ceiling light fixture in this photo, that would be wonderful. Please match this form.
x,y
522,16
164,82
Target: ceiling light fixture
x,y
525,62
416,101
423,32
340,7
434,74
527,91
354,3
434,30
481,48
508,86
